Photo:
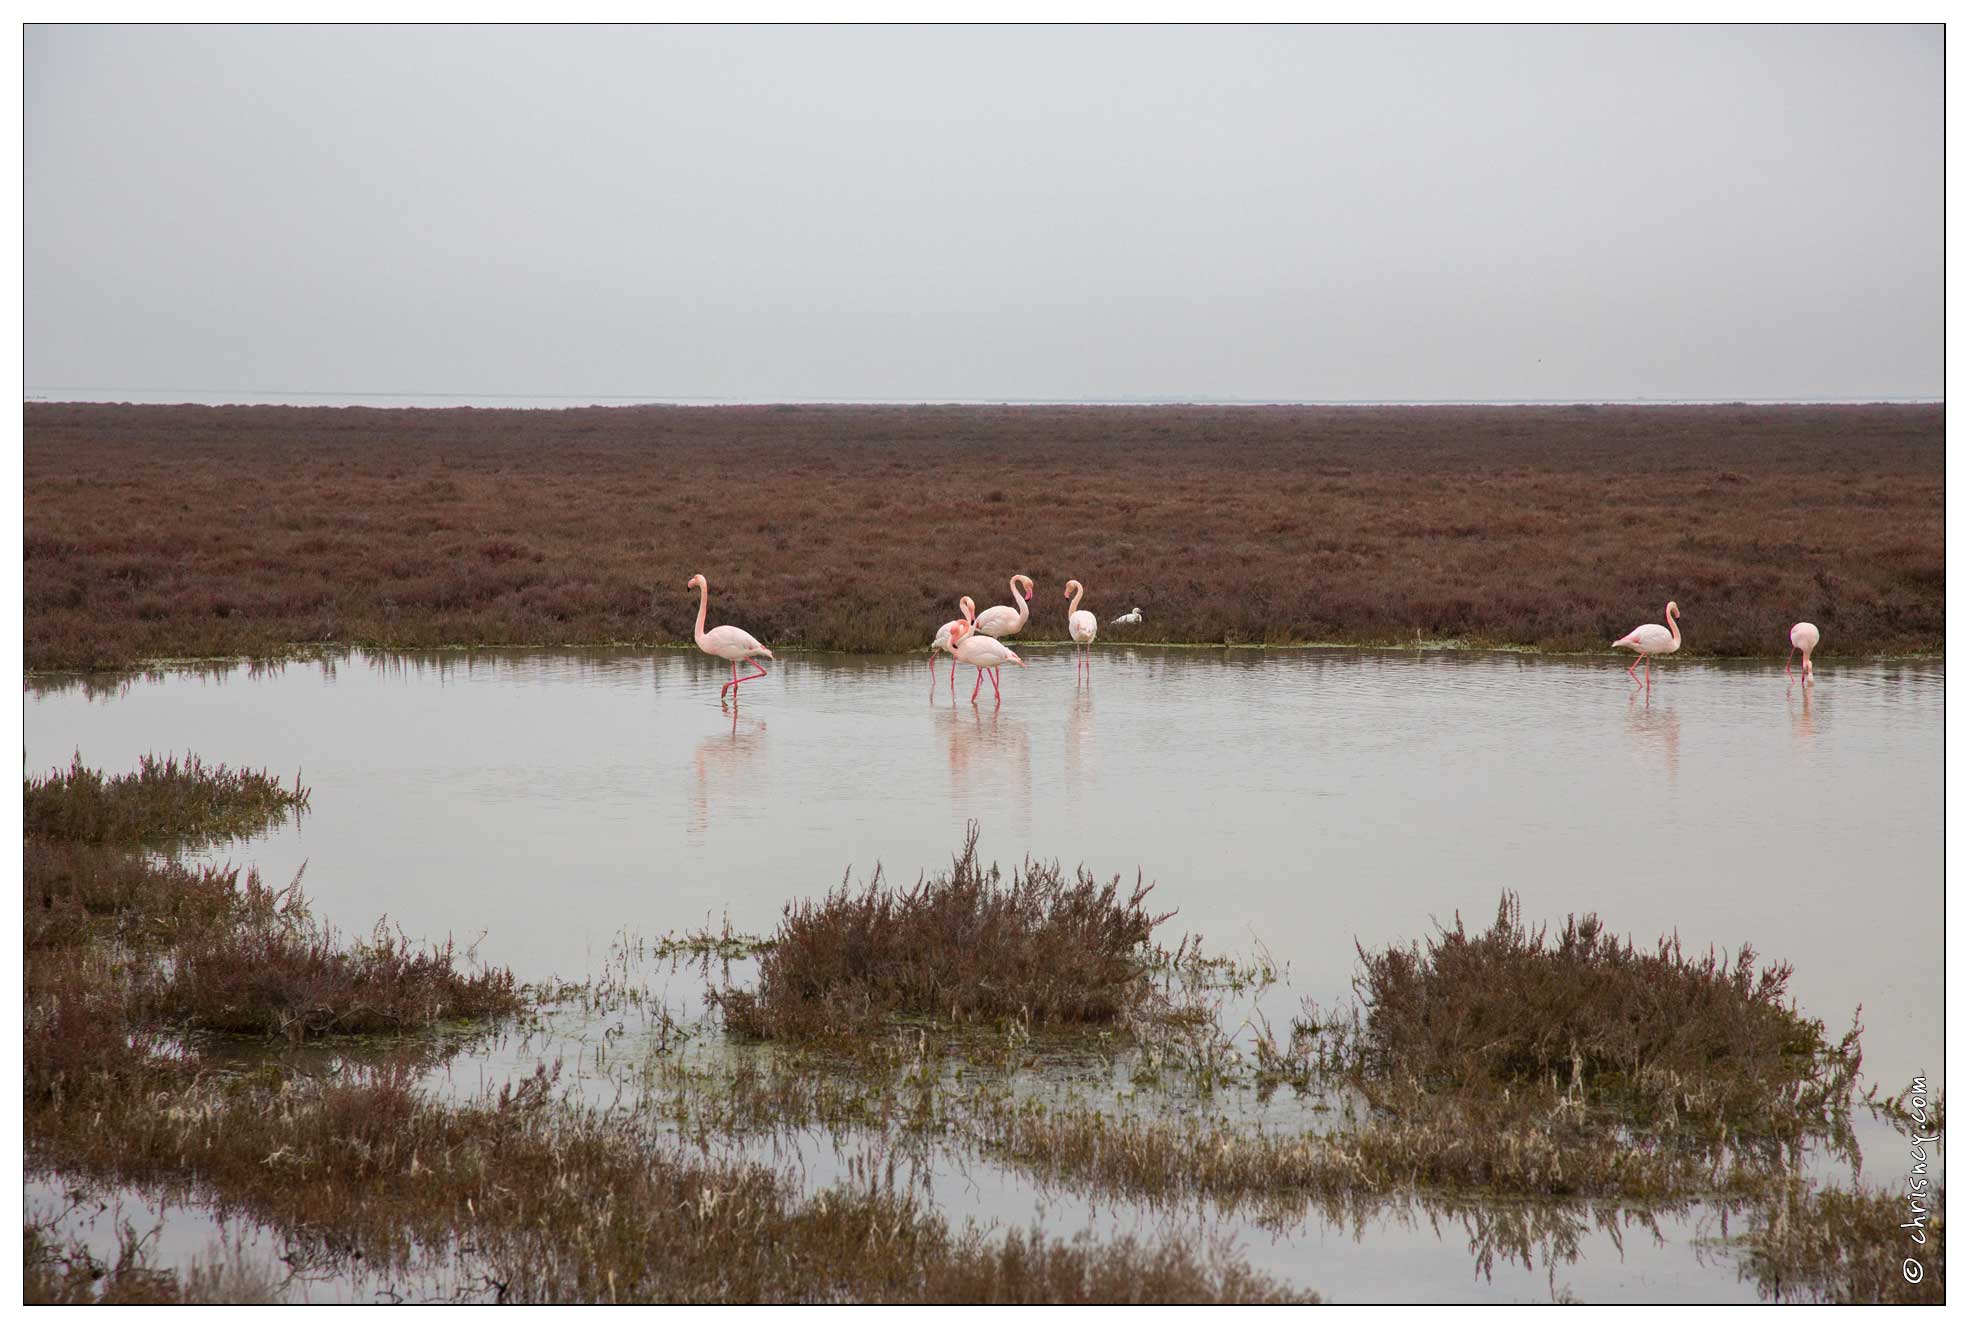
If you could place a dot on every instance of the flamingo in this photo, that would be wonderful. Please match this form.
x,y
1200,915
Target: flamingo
x,y
1081,626
1132,616
1003,620
727,643
1804,637
1652,639
941,642
973,648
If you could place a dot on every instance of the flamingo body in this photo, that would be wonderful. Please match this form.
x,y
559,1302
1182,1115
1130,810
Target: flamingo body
x,y
1003,620
1805,639
1081,626
730,643
1652,639
727,643
981,653
942,642
1132,616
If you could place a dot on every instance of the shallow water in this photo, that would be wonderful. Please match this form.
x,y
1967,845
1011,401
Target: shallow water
x,y
541,803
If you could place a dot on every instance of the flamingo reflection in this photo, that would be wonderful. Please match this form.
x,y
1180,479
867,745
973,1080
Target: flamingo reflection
x,y
724,767
1801,711
1652,728
988,752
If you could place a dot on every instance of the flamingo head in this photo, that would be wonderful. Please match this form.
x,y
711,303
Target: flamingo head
x,y
1674,610
1024,583
970,608
1072,586
697,580
957,632
1012,657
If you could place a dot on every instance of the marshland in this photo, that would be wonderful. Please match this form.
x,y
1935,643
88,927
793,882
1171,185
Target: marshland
x,y
1262,974
203,531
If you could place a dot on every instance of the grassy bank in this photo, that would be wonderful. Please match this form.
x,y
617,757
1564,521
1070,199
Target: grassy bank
x,y
181,532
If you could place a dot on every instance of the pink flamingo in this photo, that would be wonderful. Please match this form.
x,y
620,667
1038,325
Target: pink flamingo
x,y
941,642
981,653
1652,639
1003,620
1805,638
1081,626
727,643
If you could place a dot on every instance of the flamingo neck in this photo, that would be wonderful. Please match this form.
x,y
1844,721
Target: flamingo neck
x,y
1020,601
1674,628
703,604
1074,608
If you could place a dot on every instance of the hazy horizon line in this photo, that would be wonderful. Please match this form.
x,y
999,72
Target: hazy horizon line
x,y
576,400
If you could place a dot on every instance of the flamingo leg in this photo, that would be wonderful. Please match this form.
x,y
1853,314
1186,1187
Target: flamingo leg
x,y
1787,661
994,686
1636,665
729,686
975,686
736,680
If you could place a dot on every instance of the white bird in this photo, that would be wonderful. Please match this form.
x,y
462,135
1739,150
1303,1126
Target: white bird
x,y
1081,626
941,642
1804,637
1003,620
1132,616
727,643
981,652
1652,639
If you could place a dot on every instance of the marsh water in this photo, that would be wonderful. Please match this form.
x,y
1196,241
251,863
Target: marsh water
x,y
542,805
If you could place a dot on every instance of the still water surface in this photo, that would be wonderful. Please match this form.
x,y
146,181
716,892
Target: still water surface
x,y
540,803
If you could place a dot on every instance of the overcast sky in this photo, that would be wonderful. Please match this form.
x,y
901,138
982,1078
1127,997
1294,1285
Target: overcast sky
x,y
1325,213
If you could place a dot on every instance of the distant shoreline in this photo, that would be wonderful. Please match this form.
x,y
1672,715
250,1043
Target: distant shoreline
x,y
576,401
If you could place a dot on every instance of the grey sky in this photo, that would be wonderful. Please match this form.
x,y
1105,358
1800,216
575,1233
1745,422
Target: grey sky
x,y
987,212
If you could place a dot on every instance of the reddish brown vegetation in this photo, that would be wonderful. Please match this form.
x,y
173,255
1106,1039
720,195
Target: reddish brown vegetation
x,y
1046,949
175,531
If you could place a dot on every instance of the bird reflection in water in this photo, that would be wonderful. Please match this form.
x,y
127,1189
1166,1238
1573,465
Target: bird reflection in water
x,y
1799,698
990,753
1655,727
1080,729
724,768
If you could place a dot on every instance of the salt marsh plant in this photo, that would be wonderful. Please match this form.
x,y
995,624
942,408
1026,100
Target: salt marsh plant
x,y
969,946
1710,1044
164,801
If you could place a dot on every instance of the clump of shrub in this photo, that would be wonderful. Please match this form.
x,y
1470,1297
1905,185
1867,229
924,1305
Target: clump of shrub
x,y
1594,1019
966,946
288,977
160,802
195,946
77,893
